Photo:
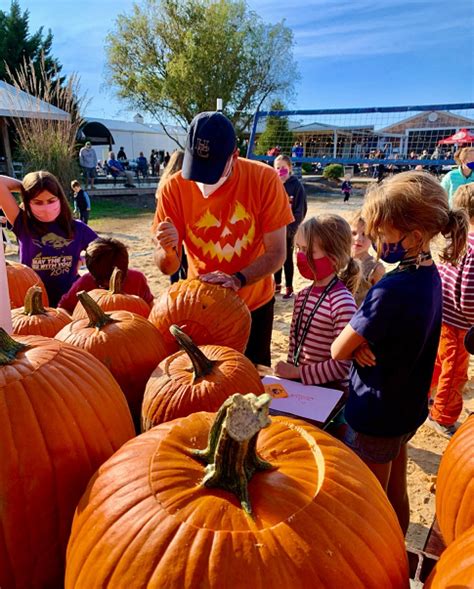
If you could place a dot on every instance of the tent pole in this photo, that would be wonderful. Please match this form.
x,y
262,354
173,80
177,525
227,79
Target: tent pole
x,y
6,144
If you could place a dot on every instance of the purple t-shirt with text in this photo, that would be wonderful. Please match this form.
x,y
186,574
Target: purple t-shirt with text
x,y
54,256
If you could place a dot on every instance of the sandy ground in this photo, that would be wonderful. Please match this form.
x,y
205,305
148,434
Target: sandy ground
x,y
425,449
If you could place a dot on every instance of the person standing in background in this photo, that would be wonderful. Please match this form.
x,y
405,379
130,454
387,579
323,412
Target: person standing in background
x,y
88,163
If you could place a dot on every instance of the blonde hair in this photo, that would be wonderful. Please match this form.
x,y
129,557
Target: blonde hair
x,y
283,158
356,218
461,153
333,234
416,201
174,165
464,199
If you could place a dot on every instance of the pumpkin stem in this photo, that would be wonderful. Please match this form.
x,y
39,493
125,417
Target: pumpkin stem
x,y
231,453
115,282
202,365
9,348
97,317
33,301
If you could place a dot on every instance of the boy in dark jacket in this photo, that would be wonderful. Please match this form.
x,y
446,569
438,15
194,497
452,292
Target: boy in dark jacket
x,y
82,202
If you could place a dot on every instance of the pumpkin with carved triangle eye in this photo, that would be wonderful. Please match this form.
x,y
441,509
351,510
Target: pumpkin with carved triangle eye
x,y
196,379
235,501
207,313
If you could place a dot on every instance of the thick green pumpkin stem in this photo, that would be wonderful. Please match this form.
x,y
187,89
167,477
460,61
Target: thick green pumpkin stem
x,y
231,454
115,282
97,317
9,348
202,365
34,302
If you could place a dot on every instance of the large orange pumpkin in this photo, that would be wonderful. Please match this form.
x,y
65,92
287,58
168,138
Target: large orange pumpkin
x,y
163,514
129,345
114,299
455,484
34,319
208,313
198,379
20,278
455,568
61,416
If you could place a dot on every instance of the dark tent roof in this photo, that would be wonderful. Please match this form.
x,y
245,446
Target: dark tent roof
x,y
96,133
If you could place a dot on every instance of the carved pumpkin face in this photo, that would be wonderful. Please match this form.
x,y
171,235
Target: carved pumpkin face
x,y
222,233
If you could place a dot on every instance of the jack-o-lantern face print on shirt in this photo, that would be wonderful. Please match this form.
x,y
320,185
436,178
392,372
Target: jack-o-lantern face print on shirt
x,y
222,233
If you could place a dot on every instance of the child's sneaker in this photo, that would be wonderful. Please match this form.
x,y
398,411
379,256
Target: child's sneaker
x,y
277,288
444,430
288,294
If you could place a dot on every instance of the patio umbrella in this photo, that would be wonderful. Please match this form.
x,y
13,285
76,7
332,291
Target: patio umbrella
x,y
462,136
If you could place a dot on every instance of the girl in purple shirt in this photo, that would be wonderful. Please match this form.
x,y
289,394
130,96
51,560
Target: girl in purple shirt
x,y
50,240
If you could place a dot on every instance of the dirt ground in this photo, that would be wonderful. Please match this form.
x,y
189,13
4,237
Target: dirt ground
x,y
425,449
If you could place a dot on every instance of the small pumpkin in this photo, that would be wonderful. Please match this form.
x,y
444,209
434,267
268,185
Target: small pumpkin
x,y
129,345
114,299
208,501
455,484
455,568
61,416
208,313
34,319
20,278
198,379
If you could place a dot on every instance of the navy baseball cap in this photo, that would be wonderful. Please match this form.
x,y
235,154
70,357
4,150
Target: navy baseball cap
x,y
210,142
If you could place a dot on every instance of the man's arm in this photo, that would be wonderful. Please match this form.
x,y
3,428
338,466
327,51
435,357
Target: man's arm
x,y
167,255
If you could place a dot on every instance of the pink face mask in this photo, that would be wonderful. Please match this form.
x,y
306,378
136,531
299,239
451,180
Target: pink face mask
x,y
323,267
46,213
283,172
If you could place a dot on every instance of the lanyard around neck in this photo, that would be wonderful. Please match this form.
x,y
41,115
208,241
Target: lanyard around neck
x,y
299,341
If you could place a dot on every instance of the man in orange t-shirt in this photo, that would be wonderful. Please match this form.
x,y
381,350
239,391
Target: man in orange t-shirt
x,y
231,214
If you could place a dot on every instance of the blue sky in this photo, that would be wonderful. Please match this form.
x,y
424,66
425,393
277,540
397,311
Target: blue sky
x,y
349,52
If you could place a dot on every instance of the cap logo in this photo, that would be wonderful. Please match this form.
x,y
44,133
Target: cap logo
x,y
202,147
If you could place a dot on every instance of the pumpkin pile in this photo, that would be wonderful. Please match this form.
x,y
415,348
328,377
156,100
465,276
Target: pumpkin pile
x,y
208,501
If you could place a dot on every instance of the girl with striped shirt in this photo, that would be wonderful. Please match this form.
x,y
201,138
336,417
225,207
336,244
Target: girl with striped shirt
x,y
322,309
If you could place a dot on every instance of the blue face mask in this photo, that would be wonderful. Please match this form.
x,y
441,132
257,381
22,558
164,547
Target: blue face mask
x,y
392,252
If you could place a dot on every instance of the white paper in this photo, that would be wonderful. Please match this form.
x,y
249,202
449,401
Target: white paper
x,y
5,311
306,401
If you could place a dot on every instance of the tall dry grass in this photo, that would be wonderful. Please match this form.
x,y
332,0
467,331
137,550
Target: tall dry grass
x,y
43,142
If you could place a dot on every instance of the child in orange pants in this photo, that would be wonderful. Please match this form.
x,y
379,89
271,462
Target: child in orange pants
x,y
450,373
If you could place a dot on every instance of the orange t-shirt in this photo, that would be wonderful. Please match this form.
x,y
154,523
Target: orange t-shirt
x,y
225,231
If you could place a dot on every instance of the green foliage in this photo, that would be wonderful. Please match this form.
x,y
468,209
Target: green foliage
x,y
174,58
17,45
307,168
276,133
333,172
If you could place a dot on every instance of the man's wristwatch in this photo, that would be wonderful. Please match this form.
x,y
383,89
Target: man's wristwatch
x,y
241,278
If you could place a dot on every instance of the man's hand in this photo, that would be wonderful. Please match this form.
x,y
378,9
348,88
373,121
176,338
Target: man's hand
x,y
167,235
287,370
364,356
225,280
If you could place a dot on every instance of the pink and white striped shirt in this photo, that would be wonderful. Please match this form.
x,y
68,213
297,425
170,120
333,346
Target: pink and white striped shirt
x,y
315,363
458,289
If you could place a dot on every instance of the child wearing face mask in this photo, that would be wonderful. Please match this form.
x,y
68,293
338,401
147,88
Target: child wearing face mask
x,y
372,269
393,338
323,308
50,240
297,197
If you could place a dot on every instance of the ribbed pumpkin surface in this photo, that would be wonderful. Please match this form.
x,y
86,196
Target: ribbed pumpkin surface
x,y
208,313
34,319
455,568
20,278
61,416
320,519
108,301
455,484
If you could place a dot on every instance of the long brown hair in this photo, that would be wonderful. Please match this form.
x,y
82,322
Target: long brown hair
x,y
412,201
333,234
33,184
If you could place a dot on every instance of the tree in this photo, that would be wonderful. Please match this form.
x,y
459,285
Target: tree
x,y
276,133
18,45
174,58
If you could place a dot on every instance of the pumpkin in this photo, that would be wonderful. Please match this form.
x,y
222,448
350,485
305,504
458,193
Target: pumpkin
x,y
207,501
208,313
34,319
129,345
455,568
114,299
198,379
455,484
61,416
20,278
